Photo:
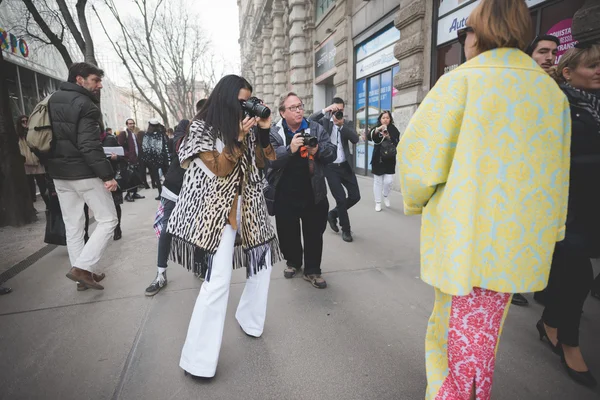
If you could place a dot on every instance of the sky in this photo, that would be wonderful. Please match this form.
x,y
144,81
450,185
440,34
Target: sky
x,y
218,18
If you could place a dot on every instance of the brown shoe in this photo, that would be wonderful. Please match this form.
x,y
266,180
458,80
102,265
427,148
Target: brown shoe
x,y
97,278
84,277
316,281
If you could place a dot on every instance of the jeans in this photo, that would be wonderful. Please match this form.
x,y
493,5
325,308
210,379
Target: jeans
x,y
73,195
40,179
164,241
382,183
340,177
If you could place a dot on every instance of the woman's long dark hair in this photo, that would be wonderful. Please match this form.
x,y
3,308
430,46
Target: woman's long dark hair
x,y
223,111
21,132
382,114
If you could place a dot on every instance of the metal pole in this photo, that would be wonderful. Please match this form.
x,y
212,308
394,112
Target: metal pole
x,y
37,88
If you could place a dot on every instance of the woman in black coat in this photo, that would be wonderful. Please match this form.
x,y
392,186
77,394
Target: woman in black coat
x,y
571,274
383,167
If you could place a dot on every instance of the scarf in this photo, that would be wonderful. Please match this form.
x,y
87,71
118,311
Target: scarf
x,y
205,201
586,100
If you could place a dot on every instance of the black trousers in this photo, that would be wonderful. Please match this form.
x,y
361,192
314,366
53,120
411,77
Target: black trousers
x,y
571,277
314,221
155,178
40,179
340,176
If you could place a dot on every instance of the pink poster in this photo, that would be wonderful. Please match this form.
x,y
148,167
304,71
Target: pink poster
x,y
562,31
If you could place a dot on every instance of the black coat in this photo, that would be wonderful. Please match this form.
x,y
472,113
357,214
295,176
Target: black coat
x,y
379,166
583,216
348,132
76,149
174,178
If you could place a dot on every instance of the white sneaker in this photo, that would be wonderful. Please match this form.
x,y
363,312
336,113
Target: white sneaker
x,y
377,207
386,200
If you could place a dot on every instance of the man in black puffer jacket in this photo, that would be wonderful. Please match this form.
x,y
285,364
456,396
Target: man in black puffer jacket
x,y
81,172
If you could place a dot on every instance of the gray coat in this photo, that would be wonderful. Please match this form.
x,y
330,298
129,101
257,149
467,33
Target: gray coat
x,y
326,154
348,132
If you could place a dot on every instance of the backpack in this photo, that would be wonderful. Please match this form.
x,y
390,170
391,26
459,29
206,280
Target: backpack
x,y
388,150
39,134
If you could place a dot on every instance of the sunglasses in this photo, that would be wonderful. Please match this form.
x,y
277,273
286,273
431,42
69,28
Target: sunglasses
x,y
462,34
24,121
584,45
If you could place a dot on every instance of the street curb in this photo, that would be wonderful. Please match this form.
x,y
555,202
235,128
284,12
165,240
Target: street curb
x,y
29,261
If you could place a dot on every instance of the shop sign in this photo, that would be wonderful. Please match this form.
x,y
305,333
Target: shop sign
x,y
384,39
325,59
13,44
447,6
562,31
382,59
449,25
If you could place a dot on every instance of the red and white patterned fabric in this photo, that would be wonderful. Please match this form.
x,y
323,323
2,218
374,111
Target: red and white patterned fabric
x,y
474,328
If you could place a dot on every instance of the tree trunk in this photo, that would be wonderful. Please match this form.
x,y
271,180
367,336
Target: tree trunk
x,y
16,206
90,55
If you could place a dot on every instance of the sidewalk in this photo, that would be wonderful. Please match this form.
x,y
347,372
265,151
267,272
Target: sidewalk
x,y
360,339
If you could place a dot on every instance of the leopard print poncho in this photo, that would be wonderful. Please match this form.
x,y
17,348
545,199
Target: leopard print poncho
x,y
204,204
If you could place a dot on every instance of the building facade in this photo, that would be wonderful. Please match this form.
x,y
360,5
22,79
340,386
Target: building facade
x,y
375,54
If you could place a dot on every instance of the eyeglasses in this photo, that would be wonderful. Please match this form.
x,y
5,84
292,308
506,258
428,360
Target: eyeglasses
x,y
24,121
462,34
296,108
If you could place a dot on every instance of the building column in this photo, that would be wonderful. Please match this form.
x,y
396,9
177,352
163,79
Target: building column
x,y
342,22
267,61
413,52
258,75
586,22
300,53
278,40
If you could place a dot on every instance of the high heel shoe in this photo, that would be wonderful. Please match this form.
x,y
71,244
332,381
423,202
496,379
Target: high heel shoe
x,y
584,378
556,349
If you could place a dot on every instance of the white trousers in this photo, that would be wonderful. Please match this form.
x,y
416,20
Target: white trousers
x,y
200,353
382,183
73,195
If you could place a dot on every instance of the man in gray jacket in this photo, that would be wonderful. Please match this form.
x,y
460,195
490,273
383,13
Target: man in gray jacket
x,y
339,173
303,150
82,174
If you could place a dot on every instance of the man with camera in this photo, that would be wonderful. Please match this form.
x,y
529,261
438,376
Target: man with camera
x,y
339,173
303,149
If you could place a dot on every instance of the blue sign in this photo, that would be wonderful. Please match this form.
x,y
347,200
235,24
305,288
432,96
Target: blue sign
x,y
384,39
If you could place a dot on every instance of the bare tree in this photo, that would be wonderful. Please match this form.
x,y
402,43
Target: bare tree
x,y
177,68
50,21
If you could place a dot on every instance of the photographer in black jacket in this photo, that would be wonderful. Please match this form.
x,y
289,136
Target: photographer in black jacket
x,y
303,150
81,172
339,173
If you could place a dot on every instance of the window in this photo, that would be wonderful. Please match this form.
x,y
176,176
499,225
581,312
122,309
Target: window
x,y
448,58
45,86
323,6
28,88
373,95
13,90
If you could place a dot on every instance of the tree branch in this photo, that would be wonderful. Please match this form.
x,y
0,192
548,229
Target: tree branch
x,y
56,42
64,10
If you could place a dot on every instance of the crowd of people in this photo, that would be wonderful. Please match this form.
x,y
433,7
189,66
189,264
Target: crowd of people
x,y
502,178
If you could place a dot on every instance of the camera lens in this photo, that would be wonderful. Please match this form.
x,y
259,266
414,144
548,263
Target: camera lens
x,y
339,114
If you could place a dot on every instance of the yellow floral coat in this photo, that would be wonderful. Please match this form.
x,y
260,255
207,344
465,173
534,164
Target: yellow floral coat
x,y
486,160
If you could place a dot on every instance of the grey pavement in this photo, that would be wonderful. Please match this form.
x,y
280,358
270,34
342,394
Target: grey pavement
x,y
361,338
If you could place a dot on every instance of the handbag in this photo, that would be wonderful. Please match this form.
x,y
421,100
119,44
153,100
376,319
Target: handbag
x,y
130,177
269,193
388,150
55,228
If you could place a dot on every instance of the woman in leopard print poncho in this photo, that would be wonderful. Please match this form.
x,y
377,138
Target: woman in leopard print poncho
x,y
221,220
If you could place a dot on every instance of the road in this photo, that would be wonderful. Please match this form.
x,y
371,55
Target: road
x,y
361,338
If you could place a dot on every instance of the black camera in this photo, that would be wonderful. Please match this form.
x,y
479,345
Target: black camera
x,y
253,107
309,140
339,115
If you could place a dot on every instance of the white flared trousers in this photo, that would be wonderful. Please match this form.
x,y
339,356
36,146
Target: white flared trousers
x,y
382,183
200,353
